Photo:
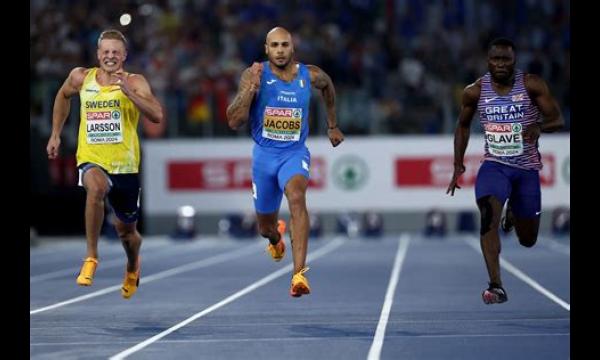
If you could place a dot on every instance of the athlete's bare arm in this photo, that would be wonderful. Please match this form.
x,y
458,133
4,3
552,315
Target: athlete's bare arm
x,y
137,89
321,81
540,94
463,131
62,107
239,109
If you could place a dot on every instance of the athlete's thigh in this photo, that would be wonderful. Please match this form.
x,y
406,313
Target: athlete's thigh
x,y
492,181
526,204
93,176
265,192
295,163
124,197
526,196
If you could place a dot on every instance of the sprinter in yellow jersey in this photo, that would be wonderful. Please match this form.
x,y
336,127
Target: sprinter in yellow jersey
x,y
108,151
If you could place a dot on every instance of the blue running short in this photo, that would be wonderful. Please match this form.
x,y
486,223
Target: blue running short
x,y
272,168
520,186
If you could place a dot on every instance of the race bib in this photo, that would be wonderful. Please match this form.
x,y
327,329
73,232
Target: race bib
x,y
282,124
104,127
504,139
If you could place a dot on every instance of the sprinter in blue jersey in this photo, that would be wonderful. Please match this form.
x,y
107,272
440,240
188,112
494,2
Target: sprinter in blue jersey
x,y
514,108
275,96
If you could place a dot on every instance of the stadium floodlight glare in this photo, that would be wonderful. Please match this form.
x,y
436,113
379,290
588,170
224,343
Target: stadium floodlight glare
x,y
185,222
125,19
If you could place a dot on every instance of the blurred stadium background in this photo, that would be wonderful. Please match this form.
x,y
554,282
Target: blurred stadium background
x,y
399,67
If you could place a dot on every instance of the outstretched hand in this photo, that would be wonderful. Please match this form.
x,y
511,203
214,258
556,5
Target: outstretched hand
x,y
52,148
458,171
122,80
335,136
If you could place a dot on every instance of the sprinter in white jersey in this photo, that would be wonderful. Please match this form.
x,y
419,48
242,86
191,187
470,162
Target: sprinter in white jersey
x,y
514,108
275,96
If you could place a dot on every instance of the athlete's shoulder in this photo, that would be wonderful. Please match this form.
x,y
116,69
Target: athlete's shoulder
x,y
76,78
134,77
318,77
79,73
534,84
310,67
81,70
473,90
532,79
476,85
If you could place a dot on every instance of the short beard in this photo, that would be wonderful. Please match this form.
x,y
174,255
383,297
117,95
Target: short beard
x,y
282,67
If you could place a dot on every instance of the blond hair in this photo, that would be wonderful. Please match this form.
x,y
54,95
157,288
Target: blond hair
x,y
114,35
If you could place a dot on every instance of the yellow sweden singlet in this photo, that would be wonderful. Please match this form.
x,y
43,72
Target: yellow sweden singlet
x,y
108,128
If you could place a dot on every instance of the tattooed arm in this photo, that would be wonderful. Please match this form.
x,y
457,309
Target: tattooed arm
x,y
321,81
238,110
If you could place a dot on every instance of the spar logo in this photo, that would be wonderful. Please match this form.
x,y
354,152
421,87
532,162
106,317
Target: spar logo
x,y
492,127
283,112
517,127
116,115
99,115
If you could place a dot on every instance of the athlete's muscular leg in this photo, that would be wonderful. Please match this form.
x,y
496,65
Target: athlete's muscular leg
x,y
295,192
527,230
524,211
96,186
267,227
491,210
131,240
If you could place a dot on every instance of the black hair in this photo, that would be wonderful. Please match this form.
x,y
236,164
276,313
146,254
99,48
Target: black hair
x,y
502,42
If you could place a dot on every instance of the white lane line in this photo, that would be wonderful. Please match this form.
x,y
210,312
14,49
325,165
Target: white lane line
x,y
120,261
474,243
160,275
377,345
61,252
337,242
295,338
